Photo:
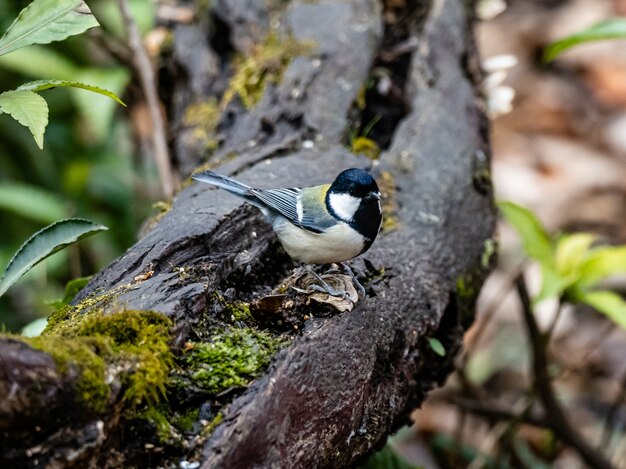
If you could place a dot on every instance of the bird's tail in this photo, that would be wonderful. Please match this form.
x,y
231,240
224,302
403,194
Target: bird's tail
x,y
224,182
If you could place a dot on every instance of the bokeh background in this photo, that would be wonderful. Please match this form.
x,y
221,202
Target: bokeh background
x,y
91,165
560,151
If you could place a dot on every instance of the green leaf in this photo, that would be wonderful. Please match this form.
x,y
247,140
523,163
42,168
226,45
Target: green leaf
x,y
31,202
608,303
436,346
614,28
43,244
552,284
34,328
29,109
601,263
535,240
570,252
41,85
45,21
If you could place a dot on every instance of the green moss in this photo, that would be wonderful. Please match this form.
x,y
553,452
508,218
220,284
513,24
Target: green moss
x,y
231,359
465,286
139,340
236,310
490,247
203,118
159,420
185,422
132,345
264,65
82,354
64,318
208,429
387,186
365,146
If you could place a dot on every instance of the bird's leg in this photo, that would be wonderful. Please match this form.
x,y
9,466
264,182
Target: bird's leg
x,y
348,271
324,287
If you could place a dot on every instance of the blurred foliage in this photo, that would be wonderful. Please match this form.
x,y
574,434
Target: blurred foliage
x,y
89,167
614,28
571,267
387,458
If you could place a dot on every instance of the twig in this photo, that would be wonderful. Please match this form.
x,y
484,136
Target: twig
x,y
143,65
611,415
496,413
498,431
543,387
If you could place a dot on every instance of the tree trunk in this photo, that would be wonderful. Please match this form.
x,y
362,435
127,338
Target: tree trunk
x,y
341,382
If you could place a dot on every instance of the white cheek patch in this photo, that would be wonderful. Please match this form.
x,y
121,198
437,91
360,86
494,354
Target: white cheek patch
x,y
344,205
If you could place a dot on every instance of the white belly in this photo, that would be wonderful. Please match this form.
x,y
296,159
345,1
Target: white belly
x,y
336,244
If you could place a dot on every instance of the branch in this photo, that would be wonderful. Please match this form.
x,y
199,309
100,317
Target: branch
x,y
145,70
543,387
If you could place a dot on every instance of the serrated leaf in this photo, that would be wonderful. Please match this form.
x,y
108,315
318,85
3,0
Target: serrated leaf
x,y
41,85
610,304
535,240
614,28
601,263
29,109
31,202
570,252
45,21
436,346
43,244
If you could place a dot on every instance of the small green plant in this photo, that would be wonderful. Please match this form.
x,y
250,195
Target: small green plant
x,y
614,28
42,22
572,266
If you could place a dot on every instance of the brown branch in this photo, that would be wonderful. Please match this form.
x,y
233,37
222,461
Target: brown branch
x,y
545,392
495,413
144,69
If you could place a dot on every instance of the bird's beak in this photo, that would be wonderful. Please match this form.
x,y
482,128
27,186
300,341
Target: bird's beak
x,y
372,196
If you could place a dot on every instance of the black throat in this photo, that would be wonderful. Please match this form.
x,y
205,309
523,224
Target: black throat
x,y
367,221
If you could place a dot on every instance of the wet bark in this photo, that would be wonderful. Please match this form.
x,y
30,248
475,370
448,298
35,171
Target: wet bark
x,y
346,380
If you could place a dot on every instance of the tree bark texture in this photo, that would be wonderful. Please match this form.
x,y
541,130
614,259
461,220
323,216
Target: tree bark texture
x,y
346,380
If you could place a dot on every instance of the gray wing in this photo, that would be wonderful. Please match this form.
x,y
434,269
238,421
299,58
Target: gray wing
x,y
285,202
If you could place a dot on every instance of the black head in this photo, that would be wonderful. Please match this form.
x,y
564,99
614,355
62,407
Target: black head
x,y
355,182
354,198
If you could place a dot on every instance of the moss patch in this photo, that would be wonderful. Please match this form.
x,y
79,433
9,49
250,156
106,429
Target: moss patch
x,y
203,118
82,354
265,65
387,186
365,146
231,359
236,310
130,345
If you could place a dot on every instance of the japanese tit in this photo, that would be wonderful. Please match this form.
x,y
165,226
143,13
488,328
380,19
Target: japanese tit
x,y
323,224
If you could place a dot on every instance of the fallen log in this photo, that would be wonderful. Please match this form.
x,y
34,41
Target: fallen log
x,y
211,267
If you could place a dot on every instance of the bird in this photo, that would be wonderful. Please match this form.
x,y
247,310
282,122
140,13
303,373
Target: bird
x,y
325,224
